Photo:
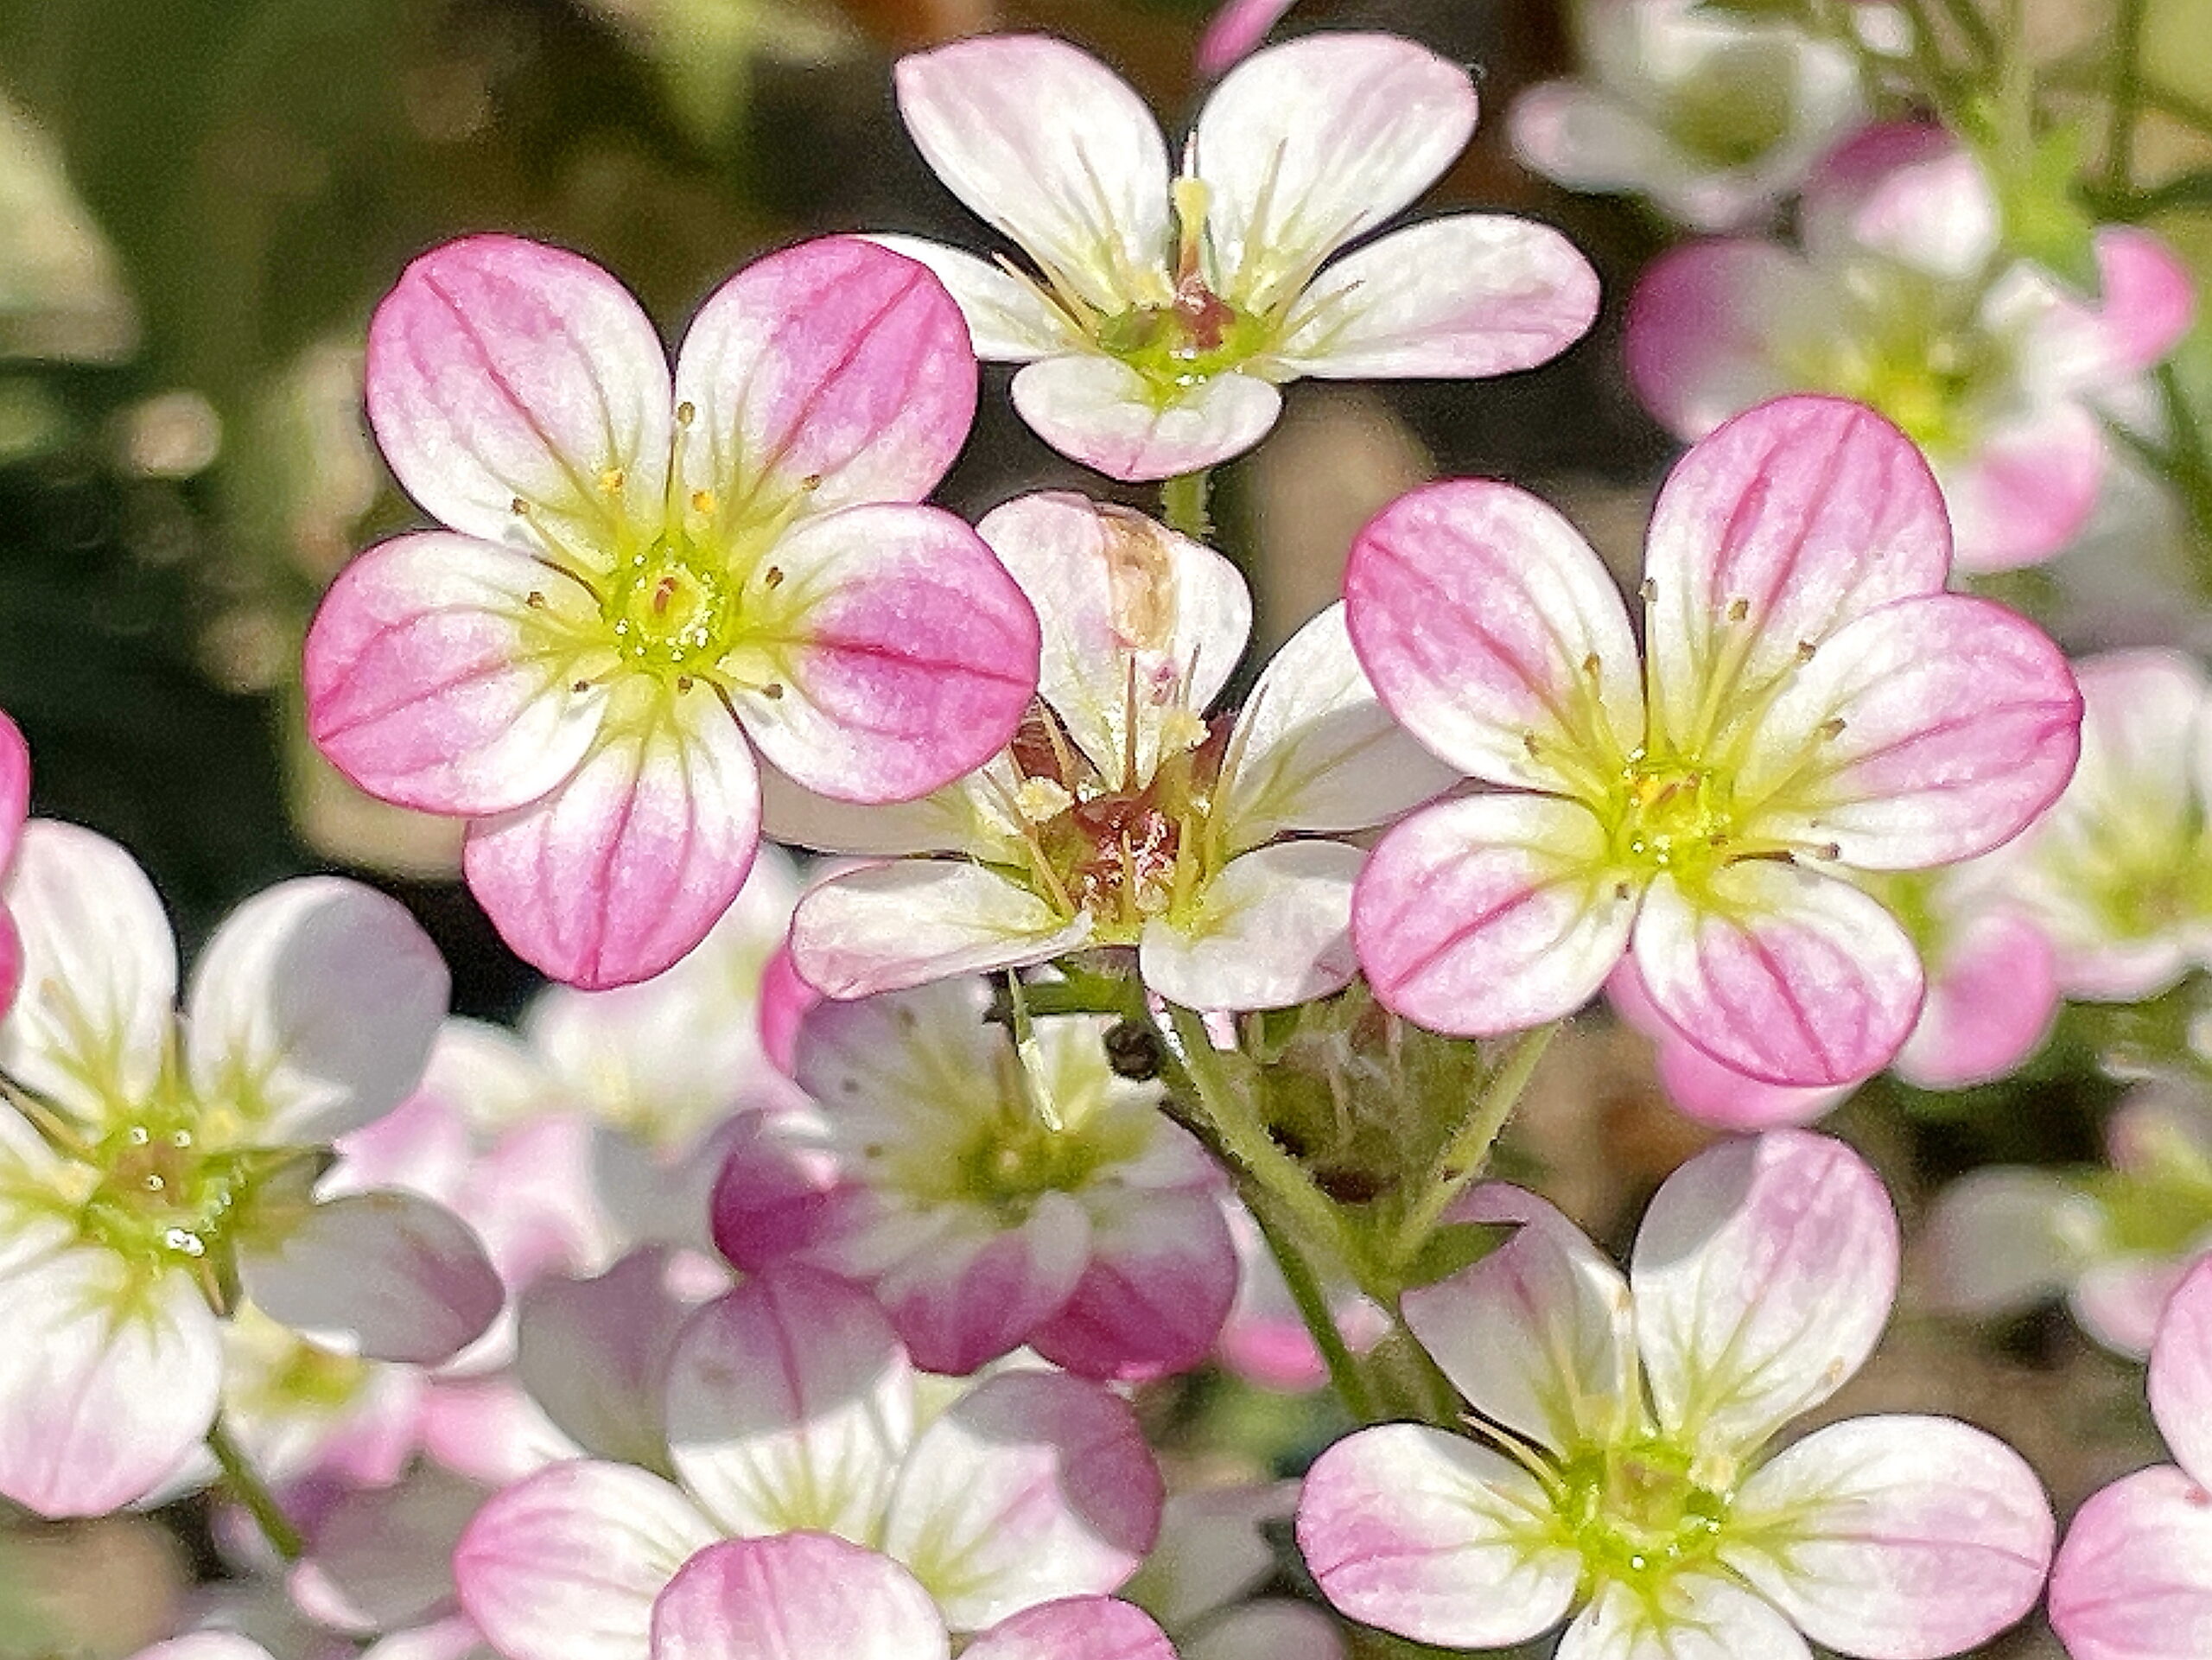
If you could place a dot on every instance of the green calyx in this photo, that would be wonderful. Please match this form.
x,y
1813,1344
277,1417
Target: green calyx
x,y
1636,1513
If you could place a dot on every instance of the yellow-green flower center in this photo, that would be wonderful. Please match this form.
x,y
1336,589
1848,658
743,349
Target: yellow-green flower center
x,y
1636,1514
1911,347
1671,815
162,1199
1736,107
670,610
1183,345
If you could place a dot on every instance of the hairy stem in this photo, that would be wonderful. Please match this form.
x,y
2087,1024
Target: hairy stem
x,y
1467,1155
250,1490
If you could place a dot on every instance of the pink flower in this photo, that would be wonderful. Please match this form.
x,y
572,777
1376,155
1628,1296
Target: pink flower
x,y
1164,312
1618,1462
1812,703
15,806
643,582
2133,1581
1236,32
1901,299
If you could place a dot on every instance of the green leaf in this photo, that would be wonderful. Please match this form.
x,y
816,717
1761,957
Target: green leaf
x,y
1454,1246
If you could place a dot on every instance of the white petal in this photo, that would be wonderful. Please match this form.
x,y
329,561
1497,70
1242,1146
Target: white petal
x,y
2181,1372
594,1354
893,926
1273,930
1008,321
962,818
1692,1617
1107,416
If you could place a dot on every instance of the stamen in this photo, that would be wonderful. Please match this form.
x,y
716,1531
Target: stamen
x,y
773,577
686,413
1738,609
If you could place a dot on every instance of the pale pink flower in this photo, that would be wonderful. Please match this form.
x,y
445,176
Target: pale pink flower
x,y
1207,1581
791,1410
991,1198
2133,1581
1164,312
1234,33
644,582
1813,704
1618,1460
1903,299
1120,816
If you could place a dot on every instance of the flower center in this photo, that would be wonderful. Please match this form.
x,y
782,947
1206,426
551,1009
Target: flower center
x,y
1635,1514
1671,815
1909,350
162,1199
1185,343
1016,1161
1736,107
669,610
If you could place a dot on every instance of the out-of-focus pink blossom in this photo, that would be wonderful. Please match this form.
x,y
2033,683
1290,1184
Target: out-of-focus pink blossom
x,y
15,806
1207,1581
1235,32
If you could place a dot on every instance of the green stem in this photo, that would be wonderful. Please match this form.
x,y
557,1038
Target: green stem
x,y
1467,1153
250,1491
2186,460
1312,1304
2127,95
1981,38
1183,504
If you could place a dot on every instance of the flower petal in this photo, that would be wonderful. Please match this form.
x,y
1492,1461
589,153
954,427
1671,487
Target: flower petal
x,y
1162,1276
966,1290
2144,303
1471,295
837,372
1491,914
626,865
1895,1537
1903,191
1782,525
501,370
1492,631
1054,151
889,926
2180,1371
1702,326
1434,1537
1074,1628
1992,995
1781,972
1763,1274
905,658
14,788
1273,930
1236,30
795,1596
2001,1239
1705,1089
2133,1581
1695,1616
1104,414
1310,143
2028,487
433,680
594,1354
1010,320
962,816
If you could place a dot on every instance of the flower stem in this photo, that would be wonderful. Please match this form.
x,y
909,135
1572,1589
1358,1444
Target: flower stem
x,y
1183,504
1312,1304
252,1491
2126,96
1467,1155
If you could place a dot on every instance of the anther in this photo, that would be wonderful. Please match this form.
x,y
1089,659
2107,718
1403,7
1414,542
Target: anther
x,y
581,686
773,577
1649,591
686,413
535,600
810,483
702,502
684,683
1589,665
663,591
1738,609
1528,742
773,691
1832,727
612,480
1831,851
1805,650
521,508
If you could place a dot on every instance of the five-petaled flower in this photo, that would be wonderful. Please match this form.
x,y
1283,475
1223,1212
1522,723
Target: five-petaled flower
x,y
638,579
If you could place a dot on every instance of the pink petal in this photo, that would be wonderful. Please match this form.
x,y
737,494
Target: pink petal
x,y
2027,487
1489,914
1781,972
1763,1274
1490,629
623,869
2118,1300
1896,1537
566,1565
1471,295
594,1354
1235,31
1104,414
889,926
1075,1628
2180,1371
1992,995
1803,512
1034,1485
2143,305
14,788
1273,930
795,1596
1308,145
1702,328
837,371
780,1194
500,369
2133,1581
1905,191
1010,320
972,1291
1434,1537
1161,1275
432,682
909,659
1705,1089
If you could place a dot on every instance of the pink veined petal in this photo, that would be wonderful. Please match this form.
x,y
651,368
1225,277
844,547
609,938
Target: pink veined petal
x,y
1430,1536
1009,320
1695,1616
386,1553
594,1353
1781,972
1763,1275
2143,305
889,926
2133,1581
795,1596
1053,151
1537,1334
1469,296
1491,914
1139,623
433,682
1905,191
1775,529
11,960
1032,1486
14,788
1702,326
1310,143
779,1194
1273,930
1896,1537
1235,32
2027,487
1993,995
1922,732
1478,613
1707,1090
566,1564
1101,412
906,657
790,1404
324,996
973,1291
626,865
1151,1301
2180,1371
1074,1628
836,371
501,370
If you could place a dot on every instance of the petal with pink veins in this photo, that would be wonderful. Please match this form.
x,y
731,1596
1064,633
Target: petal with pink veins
x,y
1907,191
1774,531
1053,151
1895,1537
1702,326
1432,1537
2027,487
779,1194
434,680
1009,320
973,1290
889,926
1763,1275
2180,1371
1151,1300
1104,414
1705,1089
1273,929
1464,297
795,1596
594,1354
1491,914
1075,1628
1992,995
566,1564
2133,1581
1781,972
15,787
836,372
1032,1486
501,370
1693,1616
905,658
